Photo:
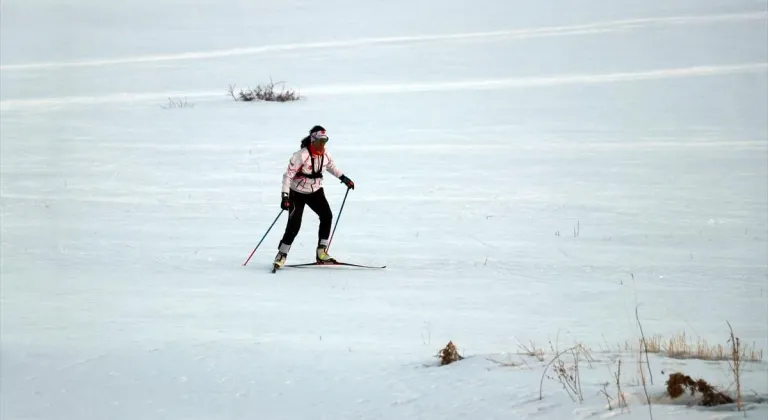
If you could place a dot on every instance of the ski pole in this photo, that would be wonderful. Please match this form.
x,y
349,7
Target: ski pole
x,y
337,219
265,235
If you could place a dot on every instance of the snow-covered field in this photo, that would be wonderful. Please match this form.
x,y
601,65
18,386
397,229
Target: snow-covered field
x,y
528,171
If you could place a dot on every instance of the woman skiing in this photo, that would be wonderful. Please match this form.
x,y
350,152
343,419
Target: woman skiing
x,y
303,185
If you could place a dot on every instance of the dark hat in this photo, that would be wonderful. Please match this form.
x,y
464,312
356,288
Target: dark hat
x,y
316,129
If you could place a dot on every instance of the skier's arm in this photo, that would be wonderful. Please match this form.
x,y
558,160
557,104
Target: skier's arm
x,y
332,168
294,165
338,173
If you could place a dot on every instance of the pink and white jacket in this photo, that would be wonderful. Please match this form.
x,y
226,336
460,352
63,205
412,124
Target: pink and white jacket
x,y
304,177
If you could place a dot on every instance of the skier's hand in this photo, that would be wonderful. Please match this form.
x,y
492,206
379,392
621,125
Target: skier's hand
x,y
285,203
348,182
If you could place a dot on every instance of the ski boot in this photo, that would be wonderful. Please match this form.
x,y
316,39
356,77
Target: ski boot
x,y
282,254
322,257
279,261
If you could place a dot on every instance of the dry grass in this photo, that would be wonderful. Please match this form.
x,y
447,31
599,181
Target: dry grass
x,y
681,347
608,398
178,103
567,372
509,362
654,343
644,347
620,396
678,346
265,92
531,350
735,365
449,354
621,401
565,365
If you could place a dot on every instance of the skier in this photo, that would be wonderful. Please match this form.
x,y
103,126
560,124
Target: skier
x,y
303,185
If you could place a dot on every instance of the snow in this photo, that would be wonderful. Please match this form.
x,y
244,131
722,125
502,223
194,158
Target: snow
x,y
528,172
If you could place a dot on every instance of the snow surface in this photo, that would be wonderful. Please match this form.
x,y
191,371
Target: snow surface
x,y
528,171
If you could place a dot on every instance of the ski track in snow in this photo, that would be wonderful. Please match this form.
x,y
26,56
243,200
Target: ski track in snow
x,y
376,88
547,31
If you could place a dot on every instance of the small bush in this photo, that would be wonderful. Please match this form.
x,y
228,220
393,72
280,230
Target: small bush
x,y
449,354
265,93
678,383
567,375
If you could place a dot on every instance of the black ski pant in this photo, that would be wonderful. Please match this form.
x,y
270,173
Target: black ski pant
x,y
317,203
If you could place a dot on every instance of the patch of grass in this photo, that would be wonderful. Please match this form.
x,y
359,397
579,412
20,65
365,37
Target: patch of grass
x,y
531,350
266,93
178,103
565,365
682,347
653,344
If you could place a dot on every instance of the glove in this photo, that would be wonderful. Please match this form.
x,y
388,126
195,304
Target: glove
x,y
348,182
285,203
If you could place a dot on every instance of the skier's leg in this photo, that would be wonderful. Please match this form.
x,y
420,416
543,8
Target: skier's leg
x,y
292,227
319,204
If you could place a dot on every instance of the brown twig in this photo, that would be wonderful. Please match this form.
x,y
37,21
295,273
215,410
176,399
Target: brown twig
x,y
735,365
645,345
620,396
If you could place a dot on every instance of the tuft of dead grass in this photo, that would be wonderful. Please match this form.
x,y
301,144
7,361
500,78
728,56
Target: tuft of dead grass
x,y
681,346
265,92
531,350
178,103
653,344
449,354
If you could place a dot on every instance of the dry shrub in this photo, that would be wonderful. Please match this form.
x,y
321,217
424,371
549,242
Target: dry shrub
x,y
265,93
678,383
608,398
531,351
735,354
567,374
178,103
449,354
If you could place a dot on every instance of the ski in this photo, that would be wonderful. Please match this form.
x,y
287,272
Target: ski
x,y
335,263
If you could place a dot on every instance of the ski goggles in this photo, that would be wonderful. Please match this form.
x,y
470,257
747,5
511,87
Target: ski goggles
x,y
319,137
